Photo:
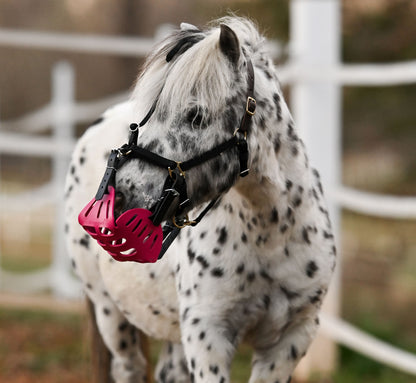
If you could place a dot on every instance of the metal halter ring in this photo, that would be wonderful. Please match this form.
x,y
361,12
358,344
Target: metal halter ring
x,y
185,223
181,172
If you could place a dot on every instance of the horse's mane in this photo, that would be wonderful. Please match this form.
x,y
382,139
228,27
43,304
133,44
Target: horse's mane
x,y
197,69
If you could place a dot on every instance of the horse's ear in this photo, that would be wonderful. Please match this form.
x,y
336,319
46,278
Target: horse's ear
x,y
229,44
189,27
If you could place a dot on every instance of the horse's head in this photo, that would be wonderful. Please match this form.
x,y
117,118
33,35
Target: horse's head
x,y
197,82
195,99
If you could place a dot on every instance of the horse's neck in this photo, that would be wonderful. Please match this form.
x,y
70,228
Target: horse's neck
x,y
265,187
267,197
250,209
259,193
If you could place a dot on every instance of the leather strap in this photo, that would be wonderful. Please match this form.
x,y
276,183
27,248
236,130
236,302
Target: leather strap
x,y
250,102
109,175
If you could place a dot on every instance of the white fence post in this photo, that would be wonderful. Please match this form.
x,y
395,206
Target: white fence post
x,y
62,282
315,44
1,209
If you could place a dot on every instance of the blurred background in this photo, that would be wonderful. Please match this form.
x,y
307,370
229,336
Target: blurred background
x,y
44,339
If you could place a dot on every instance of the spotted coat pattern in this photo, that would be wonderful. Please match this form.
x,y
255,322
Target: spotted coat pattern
x,y
257,266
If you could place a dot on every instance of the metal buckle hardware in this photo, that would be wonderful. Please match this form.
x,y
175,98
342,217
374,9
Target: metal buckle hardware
x,y
178,166
251,106
186,222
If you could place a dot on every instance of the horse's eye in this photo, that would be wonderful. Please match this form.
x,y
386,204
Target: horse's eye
x,y
194,117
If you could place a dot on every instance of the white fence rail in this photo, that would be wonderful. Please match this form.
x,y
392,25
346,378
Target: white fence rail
x,y
18,137
357,340
39,120
91,44
353,74
376,205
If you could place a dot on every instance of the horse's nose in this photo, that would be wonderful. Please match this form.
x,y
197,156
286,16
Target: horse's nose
x,y
119,204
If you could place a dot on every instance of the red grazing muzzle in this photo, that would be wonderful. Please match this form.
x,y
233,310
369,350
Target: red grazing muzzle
x,y
132,237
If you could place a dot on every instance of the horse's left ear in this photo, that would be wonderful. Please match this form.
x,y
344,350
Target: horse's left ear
x,y
189,27
229,44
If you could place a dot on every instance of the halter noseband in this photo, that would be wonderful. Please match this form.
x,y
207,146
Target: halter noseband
x,y
173,200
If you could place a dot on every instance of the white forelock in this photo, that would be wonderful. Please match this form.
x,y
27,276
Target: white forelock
x,y
201,73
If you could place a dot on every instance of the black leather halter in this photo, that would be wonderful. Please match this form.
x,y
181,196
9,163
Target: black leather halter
x,y
174,198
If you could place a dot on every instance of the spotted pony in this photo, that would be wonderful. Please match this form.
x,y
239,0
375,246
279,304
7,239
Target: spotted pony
x,y
257,266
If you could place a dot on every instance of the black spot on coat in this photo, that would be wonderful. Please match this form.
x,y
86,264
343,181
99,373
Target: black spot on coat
x,y
293,352
217,272
85,241
222,238
274,216
240,268
311,269
202,260
305,236
191,254
123,345
214,369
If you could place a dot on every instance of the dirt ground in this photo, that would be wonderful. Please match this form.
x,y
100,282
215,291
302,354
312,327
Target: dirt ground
x,y
41,346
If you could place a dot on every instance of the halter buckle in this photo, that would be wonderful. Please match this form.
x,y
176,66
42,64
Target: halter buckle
x,y
251,106
186,222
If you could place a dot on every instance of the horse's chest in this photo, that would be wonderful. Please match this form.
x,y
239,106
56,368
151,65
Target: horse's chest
x,y
218,272
224,278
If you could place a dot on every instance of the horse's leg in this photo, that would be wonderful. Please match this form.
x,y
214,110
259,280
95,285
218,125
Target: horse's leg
x,y
128,363
207,346
276,361
121,338
171,366
100,355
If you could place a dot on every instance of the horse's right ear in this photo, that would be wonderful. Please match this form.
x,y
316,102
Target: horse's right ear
x,y
229,44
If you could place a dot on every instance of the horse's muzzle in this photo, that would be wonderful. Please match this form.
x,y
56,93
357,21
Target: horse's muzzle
x,y
130,237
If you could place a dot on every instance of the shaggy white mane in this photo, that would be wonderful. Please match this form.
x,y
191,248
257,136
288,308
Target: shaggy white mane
x,y
202,74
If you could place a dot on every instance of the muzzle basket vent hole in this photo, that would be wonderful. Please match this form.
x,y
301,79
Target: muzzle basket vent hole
x,y
99,209
142,231
105,231
108,209
131,220
87,213
154,240
137,225
149,235
118,242
128,252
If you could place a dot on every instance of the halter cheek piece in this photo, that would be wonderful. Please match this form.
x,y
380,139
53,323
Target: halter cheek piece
x,y
137,235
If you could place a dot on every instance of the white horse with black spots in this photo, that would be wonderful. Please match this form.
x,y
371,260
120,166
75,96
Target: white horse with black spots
x,y
257,265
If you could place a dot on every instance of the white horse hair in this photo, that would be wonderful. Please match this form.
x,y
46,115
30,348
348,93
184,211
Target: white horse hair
x,y
258,265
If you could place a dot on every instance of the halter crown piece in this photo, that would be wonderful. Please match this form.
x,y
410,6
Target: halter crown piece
x,y
137,234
